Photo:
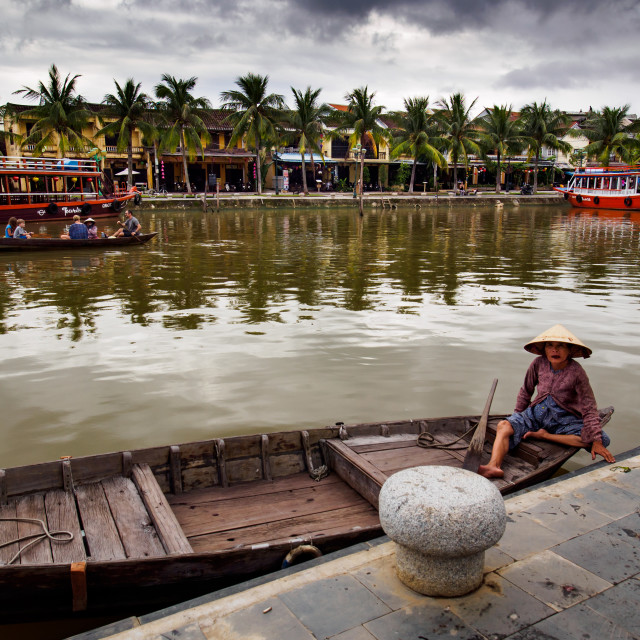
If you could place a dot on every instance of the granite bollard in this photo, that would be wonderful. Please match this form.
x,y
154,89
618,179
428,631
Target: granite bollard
x,y
442,520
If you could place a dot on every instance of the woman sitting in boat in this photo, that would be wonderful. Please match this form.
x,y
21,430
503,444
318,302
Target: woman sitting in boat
x,y
10,229
564,410
77,231
92,228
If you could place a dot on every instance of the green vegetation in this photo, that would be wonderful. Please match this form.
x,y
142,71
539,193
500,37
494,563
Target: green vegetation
x,y
181,114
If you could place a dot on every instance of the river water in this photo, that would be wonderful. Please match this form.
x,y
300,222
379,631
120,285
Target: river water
x,y
247,321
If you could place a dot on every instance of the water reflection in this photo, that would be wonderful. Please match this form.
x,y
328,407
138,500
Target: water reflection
x,y
223,283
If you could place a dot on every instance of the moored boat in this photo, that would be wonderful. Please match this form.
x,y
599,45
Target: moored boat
x,y
57,189
49,244
604,188
163,524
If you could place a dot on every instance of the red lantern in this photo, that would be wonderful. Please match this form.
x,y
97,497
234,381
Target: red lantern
x,y
16,178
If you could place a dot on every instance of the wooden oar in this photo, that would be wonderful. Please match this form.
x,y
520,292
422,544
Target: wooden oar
x,y
474,452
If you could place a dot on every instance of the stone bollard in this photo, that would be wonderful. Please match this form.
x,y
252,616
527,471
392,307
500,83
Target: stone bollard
x,y
442,520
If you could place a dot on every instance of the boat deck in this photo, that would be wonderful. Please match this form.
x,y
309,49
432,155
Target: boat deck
x,y
114,519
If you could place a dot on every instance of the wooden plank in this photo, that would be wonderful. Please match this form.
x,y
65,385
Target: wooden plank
x,y
238,512
32,506
358,473
3,487
137,533
313,527
395,459
102,537
8,531
62,516
167,527
260,488
264,454
35,477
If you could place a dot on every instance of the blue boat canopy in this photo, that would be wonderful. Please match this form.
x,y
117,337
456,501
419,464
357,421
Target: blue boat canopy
x,y
297,157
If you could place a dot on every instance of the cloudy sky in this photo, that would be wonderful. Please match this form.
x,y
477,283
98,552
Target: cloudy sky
x,y
576,53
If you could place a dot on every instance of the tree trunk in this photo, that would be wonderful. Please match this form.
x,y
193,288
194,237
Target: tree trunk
x,y
413,175
304,177
258,169
455,172
184,161
498,174
535,172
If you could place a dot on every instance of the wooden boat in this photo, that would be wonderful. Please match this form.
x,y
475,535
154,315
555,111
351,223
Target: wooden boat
x,y
604,188
163,524
48,244
57,189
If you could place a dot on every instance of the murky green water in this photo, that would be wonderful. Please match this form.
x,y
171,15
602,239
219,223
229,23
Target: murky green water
x,y
248,321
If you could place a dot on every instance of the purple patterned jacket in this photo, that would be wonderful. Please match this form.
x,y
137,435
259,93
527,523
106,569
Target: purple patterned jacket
x,y
570,389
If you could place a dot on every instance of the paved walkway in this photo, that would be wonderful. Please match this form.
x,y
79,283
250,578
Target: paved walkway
x,y
567,567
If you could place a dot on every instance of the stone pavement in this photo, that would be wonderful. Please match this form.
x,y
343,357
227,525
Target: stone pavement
x,y
568,566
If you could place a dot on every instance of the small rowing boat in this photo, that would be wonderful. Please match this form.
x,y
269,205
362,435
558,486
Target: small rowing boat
x,y
47,244
160,525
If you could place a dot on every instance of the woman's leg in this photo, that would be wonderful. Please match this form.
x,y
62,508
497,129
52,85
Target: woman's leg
x,y
493,468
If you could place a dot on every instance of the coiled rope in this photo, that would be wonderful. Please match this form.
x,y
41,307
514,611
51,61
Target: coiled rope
x,y
54,536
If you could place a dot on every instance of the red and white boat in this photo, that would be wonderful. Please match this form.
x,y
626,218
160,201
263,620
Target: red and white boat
x,y
604,188
57,189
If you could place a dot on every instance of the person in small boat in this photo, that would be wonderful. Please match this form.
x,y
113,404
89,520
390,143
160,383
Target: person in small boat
x,y
9,230
130,227
77,230
564,410
92,228
21,233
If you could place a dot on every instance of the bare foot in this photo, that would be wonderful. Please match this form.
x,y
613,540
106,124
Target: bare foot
x,y
490,472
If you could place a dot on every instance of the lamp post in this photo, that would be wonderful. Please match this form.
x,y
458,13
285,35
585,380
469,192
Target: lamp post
x,y
276,175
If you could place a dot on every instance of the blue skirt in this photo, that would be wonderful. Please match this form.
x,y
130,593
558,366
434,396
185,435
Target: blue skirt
x,y
547,415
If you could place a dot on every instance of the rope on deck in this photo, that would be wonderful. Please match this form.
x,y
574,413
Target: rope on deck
x,y
428,441
54,536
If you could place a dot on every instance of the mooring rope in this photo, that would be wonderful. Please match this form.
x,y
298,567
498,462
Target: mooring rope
x,y
428,441
52,535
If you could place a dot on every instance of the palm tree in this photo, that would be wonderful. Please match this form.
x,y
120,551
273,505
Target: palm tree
x,y
501,132
460,130
305,123
131,110
182,114
417,135
61,115
608,135
541,125
362,118
254,113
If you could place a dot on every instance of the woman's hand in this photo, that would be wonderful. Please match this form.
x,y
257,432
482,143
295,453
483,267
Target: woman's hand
x,y
599,449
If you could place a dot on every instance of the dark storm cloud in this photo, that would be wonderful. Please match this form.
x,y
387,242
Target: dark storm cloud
x,y
448,16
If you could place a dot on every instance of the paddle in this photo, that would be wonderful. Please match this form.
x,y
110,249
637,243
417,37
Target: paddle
x,y
474,452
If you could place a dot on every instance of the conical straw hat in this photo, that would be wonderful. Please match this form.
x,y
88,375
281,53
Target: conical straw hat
x,y
558,333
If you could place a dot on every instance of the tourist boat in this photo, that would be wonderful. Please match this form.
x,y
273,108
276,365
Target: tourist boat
x,y
48,244
163,524
604,188
57,189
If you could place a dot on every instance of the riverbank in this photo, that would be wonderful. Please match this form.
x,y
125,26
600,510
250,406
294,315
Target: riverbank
x,y
389,200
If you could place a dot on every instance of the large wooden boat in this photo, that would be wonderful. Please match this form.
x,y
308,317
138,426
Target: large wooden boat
x,y
49,244
604,188
57,189
163,524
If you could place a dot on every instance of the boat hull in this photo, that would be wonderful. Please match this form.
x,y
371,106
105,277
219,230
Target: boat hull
x,y
51,244
160,525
